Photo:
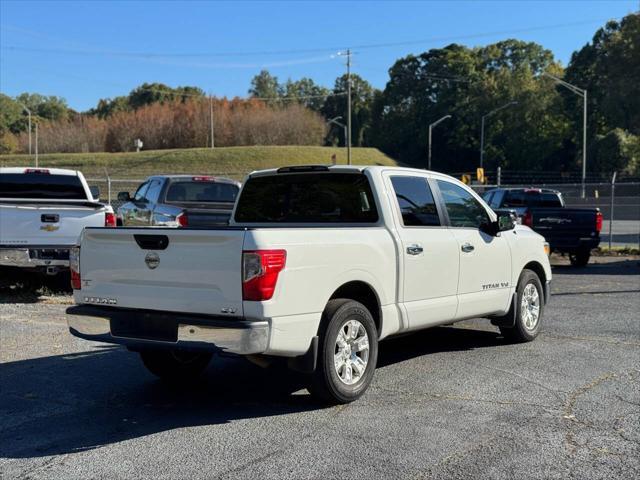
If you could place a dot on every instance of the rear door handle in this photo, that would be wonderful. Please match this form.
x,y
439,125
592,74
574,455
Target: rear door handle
x,y
467,247
414,249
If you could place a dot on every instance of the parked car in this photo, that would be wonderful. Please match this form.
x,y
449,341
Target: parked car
x,y
575,231
42,212
179,201
317,266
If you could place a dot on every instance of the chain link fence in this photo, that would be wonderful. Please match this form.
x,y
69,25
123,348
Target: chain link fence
x,y
619,200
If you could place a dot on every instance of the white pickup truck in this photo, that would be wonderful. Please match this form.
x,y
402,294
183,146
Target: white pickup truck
x,y
42,213
317,265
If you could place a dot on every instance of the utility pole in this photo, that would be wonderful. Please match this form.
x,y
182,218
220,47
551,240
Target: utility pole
x,y
581,93
495,110
430,128
344,127
348,106
211,119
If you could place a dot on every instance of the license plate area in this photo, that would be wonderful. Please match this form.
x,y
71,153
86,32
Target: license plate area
x,y
146,326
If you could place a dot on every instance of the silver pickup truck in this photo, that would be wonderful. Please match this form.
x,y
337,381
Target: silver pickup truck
x,y
179,201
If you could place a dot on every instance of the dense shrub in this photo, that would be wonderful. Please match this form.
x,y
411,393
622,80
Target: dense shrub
x,y
182,125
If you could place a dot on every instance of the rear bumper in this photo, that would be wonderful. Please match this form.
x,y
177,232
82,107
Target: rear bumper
x,y
33,257
571,244
195,332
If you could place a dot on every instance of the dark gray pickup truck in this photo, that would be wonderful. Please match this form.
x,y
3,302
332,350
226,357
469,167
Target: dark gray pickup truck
x,y
179,201
575,231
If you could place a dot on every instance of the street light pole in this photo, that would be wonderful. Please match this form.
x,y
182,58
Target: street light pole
x,y
29,113
431,128
36,144
487,115
211,119
581,93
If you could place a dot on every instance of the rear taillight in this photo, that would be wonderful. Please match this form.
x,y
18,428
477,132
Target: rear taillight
x,y
527,219
598,221
109,219
182,219
260,269
74,266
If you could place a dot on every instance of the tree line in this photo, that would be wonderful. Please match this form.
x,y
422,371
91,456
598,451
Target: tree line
x,y
541,130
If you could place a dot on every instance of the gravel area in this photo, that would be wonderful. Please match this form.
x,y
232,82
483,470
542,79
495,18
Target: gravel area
x,y
450,402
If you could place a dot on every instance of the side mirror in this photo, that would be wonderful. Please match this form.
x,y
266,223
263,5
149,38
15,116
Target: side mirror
x,y
124,197
506,221
95,191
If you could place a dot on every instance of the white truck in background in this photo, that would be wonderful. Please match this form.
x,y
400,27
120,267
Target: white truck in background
x,y
42,213
317,266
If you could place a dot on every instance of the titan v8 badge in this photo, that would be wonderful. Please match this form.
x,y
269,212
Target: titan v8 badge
x,y
489,286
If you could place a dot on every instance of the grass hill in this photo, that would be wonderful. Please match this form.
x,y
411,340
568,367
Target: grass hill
x,y
234,162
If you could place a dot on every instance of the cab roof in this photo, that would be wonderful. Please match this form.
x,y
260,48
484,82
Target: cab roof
x,y
50,171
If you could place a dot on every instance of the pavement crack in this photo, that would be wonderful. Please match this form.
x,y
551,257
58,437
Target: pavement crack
x,y
466,398
611,341
568,411
557,393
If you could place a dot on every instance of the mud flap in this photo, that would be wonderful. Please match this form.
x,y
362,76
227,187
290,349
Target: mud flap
x,y
306,363
509,319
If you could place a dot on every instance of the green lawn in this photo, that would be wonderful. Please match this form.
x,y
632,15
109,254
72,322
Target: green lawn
x,y
234,162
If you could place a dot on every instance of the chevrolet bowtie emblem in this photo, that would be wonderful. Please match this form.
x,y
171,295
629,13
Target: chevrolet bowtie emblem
x,y
49,228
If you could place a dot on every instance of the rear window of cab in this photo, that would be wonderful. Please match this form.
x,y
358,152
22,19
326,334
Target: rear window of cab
x,y
307,198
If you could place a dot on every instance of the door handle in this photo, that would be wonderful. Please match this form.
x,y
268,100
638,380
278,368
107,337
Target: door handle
x,y
414,249
467,247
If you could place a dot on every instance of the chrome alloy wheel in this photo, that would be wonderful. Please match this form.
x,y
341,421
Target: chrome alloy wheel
x,y
351,353
530,307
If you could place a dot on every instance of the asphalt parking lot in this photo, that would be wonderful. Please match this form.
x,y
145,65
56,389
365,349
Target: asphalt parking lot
x,y
450,402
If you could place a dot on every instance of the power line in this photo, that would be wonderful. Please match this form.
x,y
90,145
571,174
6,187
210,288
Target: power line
x,y
295,51
185,94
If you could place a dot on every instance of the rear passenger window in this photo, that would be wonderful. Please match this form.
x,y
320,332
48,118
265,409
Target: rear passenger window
x,y
415,201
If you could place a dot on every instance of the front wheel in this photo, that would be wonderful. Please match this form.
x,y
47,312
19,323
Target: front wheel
x,y
175,365
529,309
347,353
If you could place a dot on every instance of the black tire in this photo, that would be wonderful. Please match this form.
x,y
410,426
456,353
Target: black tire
x,y
580,258
175,366
326,384
520,332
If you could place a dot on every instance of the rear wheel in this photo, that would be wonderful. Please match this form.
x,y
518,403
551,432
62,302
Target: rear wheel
x,y
347,353
580,258
175,365
529,309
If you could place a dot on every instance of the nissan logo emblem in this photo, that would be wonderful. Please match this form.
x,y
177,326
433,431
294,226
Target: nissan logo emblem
x,y
152,260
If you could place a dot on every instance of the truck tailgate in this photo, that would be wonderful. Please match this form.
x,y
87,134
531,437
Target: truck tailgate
x,y
564,221
43,224
181,270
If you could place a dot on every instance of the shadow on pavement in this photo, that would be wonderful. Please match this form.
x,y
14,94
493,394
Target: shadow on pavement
x,y
69,403
621,267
